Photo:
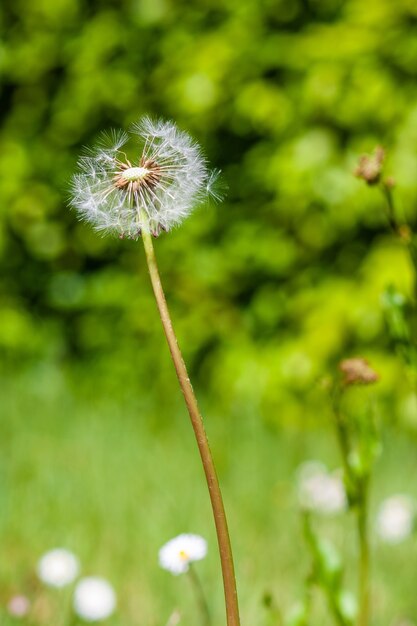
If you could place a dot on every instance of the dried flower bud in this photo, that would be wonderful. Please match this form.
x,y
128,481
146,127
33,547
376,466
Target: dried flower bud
x,y
370,167
357,371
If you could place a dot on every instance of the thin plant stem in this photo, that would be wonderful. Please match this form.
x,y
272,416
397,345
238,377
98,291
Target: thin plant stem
x,y
200,596
361,490
316,575
395,226
364,556
391,213
342,436
223,538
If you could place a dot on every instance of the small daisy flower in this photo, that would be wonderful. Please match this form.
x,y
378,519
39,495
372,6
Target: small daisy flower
x,y
58,567
156,190
18,606
94,599
319,490
396,518
176,555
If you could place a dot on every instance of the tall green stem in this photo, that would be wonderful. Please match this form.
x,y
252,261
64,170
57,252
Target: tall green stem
x,y
364,556
359,487
342,438
395,227
226,557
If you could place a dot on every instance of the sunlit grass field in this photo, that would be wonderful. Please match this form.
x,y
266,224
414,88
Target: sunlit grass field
x,y
112,479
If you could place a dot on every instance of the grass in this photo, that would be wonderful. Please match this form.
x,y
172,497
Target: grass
x,y
112,480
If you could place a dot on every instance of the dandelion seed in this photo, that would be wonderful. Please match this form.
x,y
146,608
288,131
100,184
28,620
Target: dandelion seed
x,y
396,518
165,180
319,490
94,599
176,555
58,567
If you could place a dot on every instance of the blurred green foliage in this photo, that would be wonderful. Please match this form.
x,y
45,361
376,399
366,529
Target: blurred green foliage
x,y
271,287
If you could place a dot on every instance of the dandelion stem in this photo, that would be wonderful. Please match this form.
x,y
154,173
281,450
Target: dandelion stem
x,y
226,557
200,596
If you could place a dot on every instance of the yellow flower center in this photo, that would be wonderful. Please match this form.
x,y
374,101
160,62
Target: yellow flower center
x,y
183,555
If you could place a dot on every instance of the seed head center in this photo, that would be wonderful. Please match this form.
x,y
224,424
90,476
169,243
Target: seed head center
x,y
146,175
132,174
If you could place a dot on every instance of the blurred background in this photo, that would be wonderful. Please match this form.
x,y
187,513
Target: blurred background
x,y
268,290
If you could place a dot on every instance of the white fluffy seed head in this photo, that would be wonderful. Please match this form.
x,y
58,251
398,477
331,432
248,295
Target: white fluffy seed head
x,y
177,554
58,567
94,599
166,178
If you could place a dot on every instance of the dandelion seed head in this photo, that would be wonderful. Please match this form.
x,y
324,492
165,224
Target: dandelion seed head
x,y
58,567
156,190
396,518
176,555
94,599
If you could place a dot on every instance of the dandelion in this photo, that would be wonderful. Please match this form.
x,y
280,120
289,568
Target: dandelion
x,y
155,191
176,555
94,599
396,518
18,606
319,490
141,197
58,567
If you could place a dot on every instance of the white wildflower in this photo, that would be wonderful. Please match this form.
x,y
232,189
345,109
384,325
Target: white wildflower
x,y
176,555
155,191
58,567
18,606
395,518
319,490
94,599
